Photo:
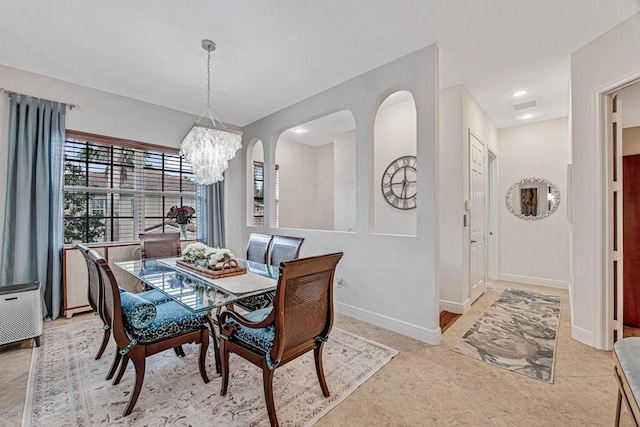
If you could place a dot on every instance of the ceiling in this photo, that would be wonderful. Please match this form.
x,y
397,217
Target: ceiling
x,y
273,53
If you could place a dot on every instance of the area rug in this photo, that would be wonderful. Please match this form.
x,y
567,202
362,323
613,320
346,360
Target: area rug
x,y
67,386
517,332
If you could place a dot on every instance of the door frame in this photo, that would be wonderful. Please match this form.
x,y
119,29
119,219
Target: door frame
x,y
603,333
493,220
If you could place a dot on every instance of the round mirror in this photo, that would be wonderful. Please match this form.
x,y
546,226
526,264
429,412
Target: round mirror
x,y
533,198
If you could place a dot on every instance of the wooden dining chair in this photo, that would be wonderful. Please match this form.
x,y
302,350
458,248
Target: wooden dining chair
x,y
299,321
257,251
159,245
258,248
150,330
96,301
284,248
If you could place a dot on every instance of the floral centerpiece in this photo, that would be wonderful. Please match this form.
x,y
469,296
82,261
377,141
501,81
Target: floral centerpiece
x,y
209,258
182,214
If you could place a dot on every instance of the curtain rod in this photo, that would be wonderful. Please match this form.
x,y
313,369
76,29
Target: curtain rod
x,y
8,92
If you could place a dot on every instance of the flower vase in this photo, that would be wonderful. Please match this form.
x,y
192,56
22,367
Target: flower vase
x,y
183,231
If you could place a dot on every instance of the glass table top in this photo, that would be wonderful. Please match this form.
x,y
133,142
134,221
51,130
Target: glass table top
x,y
190,289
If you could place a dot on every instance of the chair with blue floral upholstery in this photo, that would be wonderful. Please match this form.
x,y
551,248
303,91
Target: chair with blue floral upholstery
x,y
96,300
141,329
299,321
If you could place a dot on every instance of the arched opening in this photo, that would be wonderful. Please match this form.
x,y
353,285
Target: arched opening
x,y
316,184
395,183
255,191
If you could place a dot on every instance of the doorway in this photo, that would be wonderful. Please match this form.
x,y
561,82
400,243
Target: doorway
x,y
623,211
492,216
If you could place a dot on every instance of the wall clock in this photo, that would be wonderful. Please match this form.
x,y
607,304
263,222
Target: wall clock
x,y
399,183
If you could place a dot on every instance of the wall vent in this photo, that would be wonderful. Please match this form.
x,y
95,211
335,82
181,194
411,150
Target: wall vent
x,y
524,105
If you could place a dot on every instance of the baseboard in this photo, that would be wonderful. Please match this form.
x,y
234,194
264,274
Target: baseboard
x,y
429,336
581,335
529,280
455,307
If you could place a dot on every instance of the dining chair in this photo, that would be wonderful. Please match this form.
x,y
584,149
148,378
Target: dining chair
x,y
284,248
257,251
96,301
258,248
299,321
141,329
159,245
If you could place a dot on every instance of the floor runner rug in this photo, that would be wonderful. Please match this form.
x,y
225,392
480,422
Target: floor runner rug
x,y
67,386
517,332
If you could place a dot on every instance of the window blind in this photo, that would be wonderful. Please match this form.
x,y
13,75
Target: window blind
x,y
113,192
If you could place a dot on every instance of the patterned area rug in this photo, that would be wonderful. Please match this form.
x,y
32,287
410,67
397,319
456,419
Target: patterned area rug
x,y
67,387
517,332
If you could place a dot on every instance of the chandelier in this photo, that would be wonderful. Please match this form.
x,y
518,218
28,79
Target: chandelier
x,y
209,147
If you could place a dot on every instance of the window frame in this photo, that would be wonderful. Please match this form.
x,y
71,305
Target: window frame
x,y
256,165
137,194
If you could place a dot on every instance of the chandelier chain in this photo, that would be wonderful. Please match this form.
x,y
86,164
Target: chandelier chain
x,y
209,80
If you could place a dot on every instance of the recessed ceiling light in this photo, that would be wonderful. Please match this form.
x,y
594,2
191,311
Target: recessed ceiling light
x,y
519,93
299,130
527,116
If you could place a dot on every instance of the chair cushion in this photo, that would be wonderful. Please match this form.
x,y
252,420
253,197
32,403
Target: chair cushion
x,y
154,296
172,319
137,312
627,350
260,339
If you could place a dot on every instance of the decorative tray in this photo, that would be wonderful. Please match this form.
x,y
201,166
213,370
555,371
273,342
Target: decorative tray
x,y
212,274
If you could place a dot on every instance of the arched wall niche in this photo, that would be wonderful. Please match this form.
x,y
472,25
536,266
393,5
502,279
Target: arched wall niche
x,y
394,186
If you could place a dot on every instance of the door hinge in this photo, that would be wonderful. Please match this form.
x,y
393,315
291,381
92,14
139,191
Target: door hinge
x,y
615,186
614,117
615,256
617,326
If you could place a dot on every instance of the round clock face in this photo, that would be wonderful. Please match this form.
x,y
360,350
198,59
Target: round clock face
x,y
399,183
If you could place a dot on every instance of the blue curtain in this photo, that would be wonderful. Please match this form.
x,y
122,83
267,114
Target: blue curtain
x,y
32,237
210,214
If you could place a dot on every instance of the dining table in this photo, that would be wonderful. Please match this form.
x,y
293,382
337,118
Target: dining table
x,y
200,293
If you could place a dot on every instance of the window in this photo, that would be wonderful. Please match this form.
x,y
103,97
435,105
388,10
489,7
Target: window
x,y
258,194
115,189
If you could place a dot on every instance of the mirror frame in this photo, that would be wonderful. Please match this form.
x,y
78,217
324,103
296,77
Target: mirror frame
x,y
554,190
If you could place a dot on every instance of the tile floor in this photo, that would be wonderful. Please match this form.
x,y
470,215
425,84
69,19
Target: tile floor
x,y
429,385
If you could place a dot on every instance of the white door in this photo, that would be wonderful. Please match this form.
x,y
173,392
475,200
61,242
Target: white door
x,y
477,216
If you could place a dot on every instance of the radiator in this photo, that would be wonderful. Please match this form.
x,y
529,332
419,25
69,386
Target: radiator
x,y
20,313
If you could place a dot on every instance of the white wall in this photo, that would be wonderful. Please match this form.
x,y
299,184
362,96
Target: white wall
x,y
344,181
631,141
394,136
297,164
100,112
460,114
600,66
534,252
324,187
388,280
